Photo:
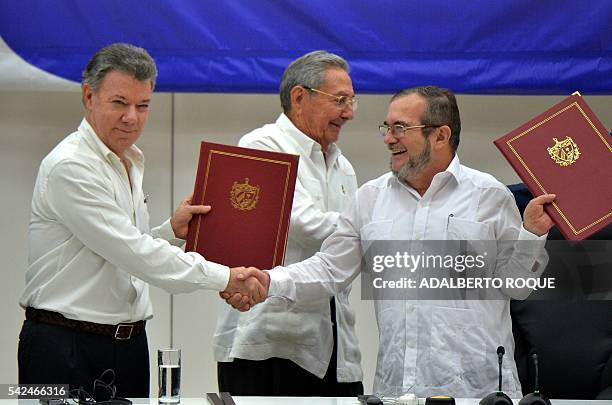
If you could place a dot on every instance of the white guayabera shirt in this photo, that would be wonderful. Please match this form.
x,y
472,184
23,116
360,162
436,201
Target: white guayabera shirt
x,y
90,250
301,333
429,347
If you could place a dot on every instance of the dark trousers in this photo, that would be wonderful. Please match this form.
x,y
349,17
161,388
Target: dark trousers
x,y
50,354
282,377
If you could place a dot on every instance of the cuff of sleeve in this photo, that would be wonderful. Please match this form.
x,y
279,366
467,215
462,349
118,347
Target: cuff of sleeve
x,y
218,276
524,234
165,232
281,284
532,246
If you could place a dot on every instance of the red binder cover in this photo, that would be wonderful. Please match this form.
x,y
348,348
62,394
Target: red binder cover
x,y
251,194
566,151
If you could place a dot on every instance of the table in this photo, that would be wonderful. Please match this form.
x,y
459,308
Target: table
x,y
303,401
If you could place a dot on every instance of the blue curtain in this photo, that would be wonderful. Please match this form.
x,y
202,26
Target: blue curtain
x,y
480,47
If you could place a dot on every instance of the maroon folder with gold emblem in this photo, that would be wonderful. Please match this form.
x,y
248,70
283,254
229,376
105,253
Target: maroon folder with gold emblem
x,y
251,194
566,151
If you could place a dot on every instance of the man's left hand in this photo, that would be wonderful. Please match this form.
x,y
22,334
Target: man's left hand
x,y
535,219
183,214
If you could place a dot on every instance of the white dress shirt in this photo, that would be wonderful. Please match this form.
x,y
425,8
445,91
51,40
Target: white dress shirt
x,y
429,347
90,252
301,333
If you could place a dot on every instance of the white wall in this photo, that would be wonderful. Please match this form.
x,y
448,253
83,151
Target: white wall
x,y
31,123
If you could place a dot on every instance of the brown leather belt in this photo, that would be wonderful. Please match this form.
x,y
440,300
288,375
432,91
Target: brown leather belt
x,y
122,331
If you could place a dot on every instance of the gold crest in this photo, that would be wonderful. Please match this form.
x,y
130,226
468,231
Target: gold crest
x,y
244,196
564,153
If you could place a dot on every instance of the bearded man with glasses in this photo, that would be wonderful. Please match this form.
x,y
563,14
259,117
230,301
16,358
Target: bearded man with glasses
x,y
308,349
430,345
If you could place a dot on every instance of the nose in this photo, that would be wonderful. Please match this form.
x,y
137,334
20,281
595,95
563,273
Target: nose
x,y
389,139
130,115
347,112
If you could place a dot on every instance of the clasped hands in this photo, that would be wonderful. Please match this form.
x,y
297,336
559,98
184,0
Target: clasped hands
x,y
247,287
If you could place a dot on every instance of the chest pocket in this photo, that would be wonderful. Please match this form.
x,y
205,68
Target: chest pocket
x,y
377,230
464,229
349,183
142,216
313,189
475,239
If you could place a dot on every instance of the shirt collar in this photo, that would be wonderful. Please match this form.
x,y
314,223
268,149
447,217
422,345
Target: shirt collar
x,y
304,142
133,154
453,169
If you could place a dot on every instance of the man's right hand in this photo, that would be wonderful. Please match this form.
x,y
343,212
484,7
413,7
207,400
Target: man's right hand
x,y
246,287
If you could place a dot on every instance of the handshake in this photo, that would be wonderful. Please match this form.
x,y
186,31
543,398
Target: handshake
x,y
247,287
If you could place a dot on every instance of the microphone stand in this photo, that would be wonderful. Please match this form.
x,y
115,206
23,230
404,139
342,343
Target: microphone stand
x,y
498,397
535,398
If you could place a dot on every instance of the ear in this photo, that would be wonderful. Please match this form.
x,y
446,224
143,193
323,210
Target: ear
x,y
87,95
298,94
442,137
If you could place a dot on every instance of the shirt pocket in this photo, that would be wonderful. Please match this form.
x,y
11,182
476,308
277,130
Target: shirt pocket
x,y
349,182
465,229
375,231
301,325
472,239
312,187
458,344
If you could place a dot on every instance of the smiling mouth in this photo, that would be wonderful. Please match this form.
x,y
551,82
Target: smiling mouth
x,y
397,151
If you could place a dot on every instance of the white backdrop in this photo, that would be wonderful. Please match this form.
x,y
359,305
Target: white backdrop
x,y
31,123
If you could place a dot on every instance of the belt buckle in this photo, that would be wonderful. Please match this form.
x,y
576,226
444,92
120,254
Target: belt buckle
x,y
118,331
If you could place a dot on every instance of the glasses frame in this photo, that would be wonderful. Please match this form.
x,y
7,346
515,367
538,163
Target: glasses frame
x,y
405,128
341,101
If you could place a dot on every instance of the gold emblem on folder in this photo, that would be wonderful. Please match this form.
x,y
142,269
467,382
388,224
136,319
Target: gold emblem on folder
x,y
244,196
564,152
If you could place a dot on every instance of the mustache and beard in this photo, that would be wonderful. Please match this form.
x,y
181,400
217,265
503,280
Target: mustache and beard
x,y
414,166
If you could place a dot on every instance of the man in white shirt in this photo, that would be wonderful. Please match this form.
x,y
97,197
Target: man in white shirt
x,y
309,349
430,346
91,252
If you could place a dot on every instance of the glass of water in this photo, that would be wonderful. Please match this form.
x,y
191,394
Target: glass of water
x,y
169,377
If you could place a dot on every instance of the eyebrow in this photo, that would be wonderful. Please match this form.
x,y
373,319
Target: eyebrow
x,y
146,100
340,93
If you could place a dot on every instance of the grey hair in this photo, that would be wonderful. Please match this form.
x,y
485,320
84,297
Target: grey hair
x,y
441,109
122,57
308,70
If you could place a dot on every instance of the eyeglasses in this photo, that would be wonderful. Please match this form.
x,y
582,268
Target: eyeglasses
x,y
399,130
340,101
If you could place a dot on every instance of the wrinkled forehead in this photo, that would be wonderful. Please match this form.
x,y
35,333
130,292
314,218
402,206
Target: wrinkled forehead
x,y
406,109
337,81
126,86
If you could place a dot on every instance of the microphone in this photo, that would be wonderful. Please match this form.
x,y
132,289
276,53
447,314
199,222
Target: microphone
x,y
535,398
500,356
498,397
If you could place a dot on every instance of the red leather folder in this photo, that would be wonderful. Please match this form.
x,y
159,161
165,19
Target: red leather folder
x,y
251,194
566,151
